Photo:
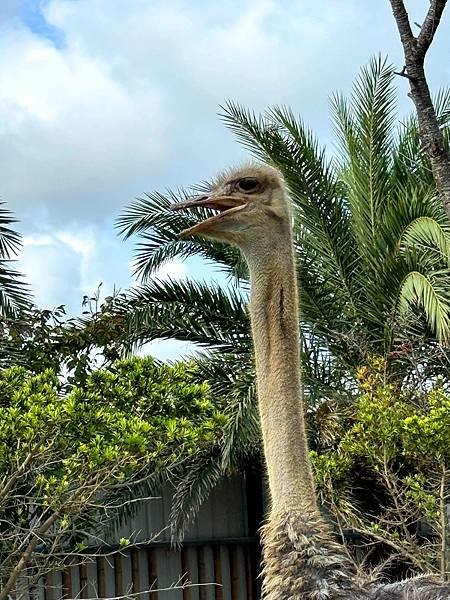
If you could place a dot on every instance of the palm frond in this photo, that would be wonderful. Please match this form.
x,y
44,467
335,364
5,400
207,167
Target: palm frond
x,y
230,377
200,476
410,161
14,292
365,129
431,294
411,164
425,233
149,484
186,310
441,103
10,240
233,377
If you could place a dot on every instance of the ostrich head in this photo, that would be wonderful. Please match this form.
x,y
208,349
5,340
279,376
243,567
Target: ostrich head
x,y
252,205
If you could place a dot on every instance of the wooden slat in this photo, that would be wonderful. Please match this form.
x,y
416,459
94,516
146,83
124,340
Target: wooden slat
x,y
152,573
185,573
75,576
110,585
192,568
217,573
135,574
49,583
34,584
91,570
22,588
67,583
126,572
143,574
234,572
249,573
83,580
225,565
118,574
101,583
201,567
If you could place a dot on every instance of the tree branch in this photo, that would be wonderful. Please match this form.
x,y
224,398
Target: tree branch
x,y
24,559
403,25
415,50
430,26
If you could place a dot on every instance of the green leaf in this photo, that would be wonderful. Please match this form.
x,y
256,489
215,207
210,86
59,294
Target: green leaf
x,y
432,295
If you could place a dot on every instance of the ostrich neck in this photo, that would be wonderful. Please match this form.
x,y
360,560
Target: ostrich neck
x,y
275,328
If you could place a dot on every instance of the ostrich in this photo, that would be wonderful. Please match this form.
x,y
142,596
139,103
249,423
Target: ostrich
x,y
301,558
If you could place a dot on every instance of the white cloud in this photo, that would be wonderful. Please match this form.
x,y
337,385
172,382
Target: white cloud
x,y
168,349
71,137
172,269
37,240
51,268
128,103
63,265
84,245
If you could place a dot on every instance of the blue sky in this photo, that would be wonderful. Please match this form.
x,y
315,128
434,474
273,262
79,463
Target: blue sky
x,y
31,14
103,100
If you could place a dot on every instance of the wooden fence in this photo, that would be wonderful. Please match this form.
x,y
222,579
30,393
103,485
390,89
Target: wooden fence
x,y
207,570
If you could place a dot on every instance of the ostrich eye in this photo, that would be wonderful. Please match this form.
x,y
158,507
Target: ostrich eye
x,y
248,184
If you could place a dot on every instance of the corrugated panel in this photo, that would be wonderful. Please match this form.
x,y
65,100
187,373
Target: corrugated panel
x,y
212,571
190,572
126,573
75,578
53,586
169,571
27,588
223,515
108,583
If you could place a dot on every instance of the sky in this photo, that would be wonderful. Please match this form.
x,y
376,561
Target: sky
x,y
102,101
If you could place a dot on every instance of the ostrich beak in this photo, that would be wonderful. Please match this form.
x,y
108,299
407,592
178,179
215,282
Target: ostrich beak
x,y
223,204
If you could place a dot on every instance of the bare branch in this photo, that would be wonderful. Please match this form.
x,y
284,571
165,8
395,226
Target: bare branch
x,y
403,73
430,26
415,49
402,19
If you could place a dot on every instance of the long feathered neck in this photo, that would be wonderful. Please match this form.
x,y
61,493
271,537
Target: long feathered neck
x,y
301,560
275,328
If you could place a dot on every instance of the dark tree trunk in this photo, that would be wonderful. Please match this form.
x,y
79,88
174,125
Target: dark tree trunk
x,y
415,49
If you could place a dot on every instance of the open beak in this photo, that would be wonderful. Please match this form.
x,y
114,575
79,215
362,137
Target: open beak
x,y
225,205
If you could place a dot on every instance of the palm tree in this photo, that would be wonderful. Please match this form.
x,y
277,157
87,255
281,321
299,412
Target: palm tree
x,y
14,293
373,249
